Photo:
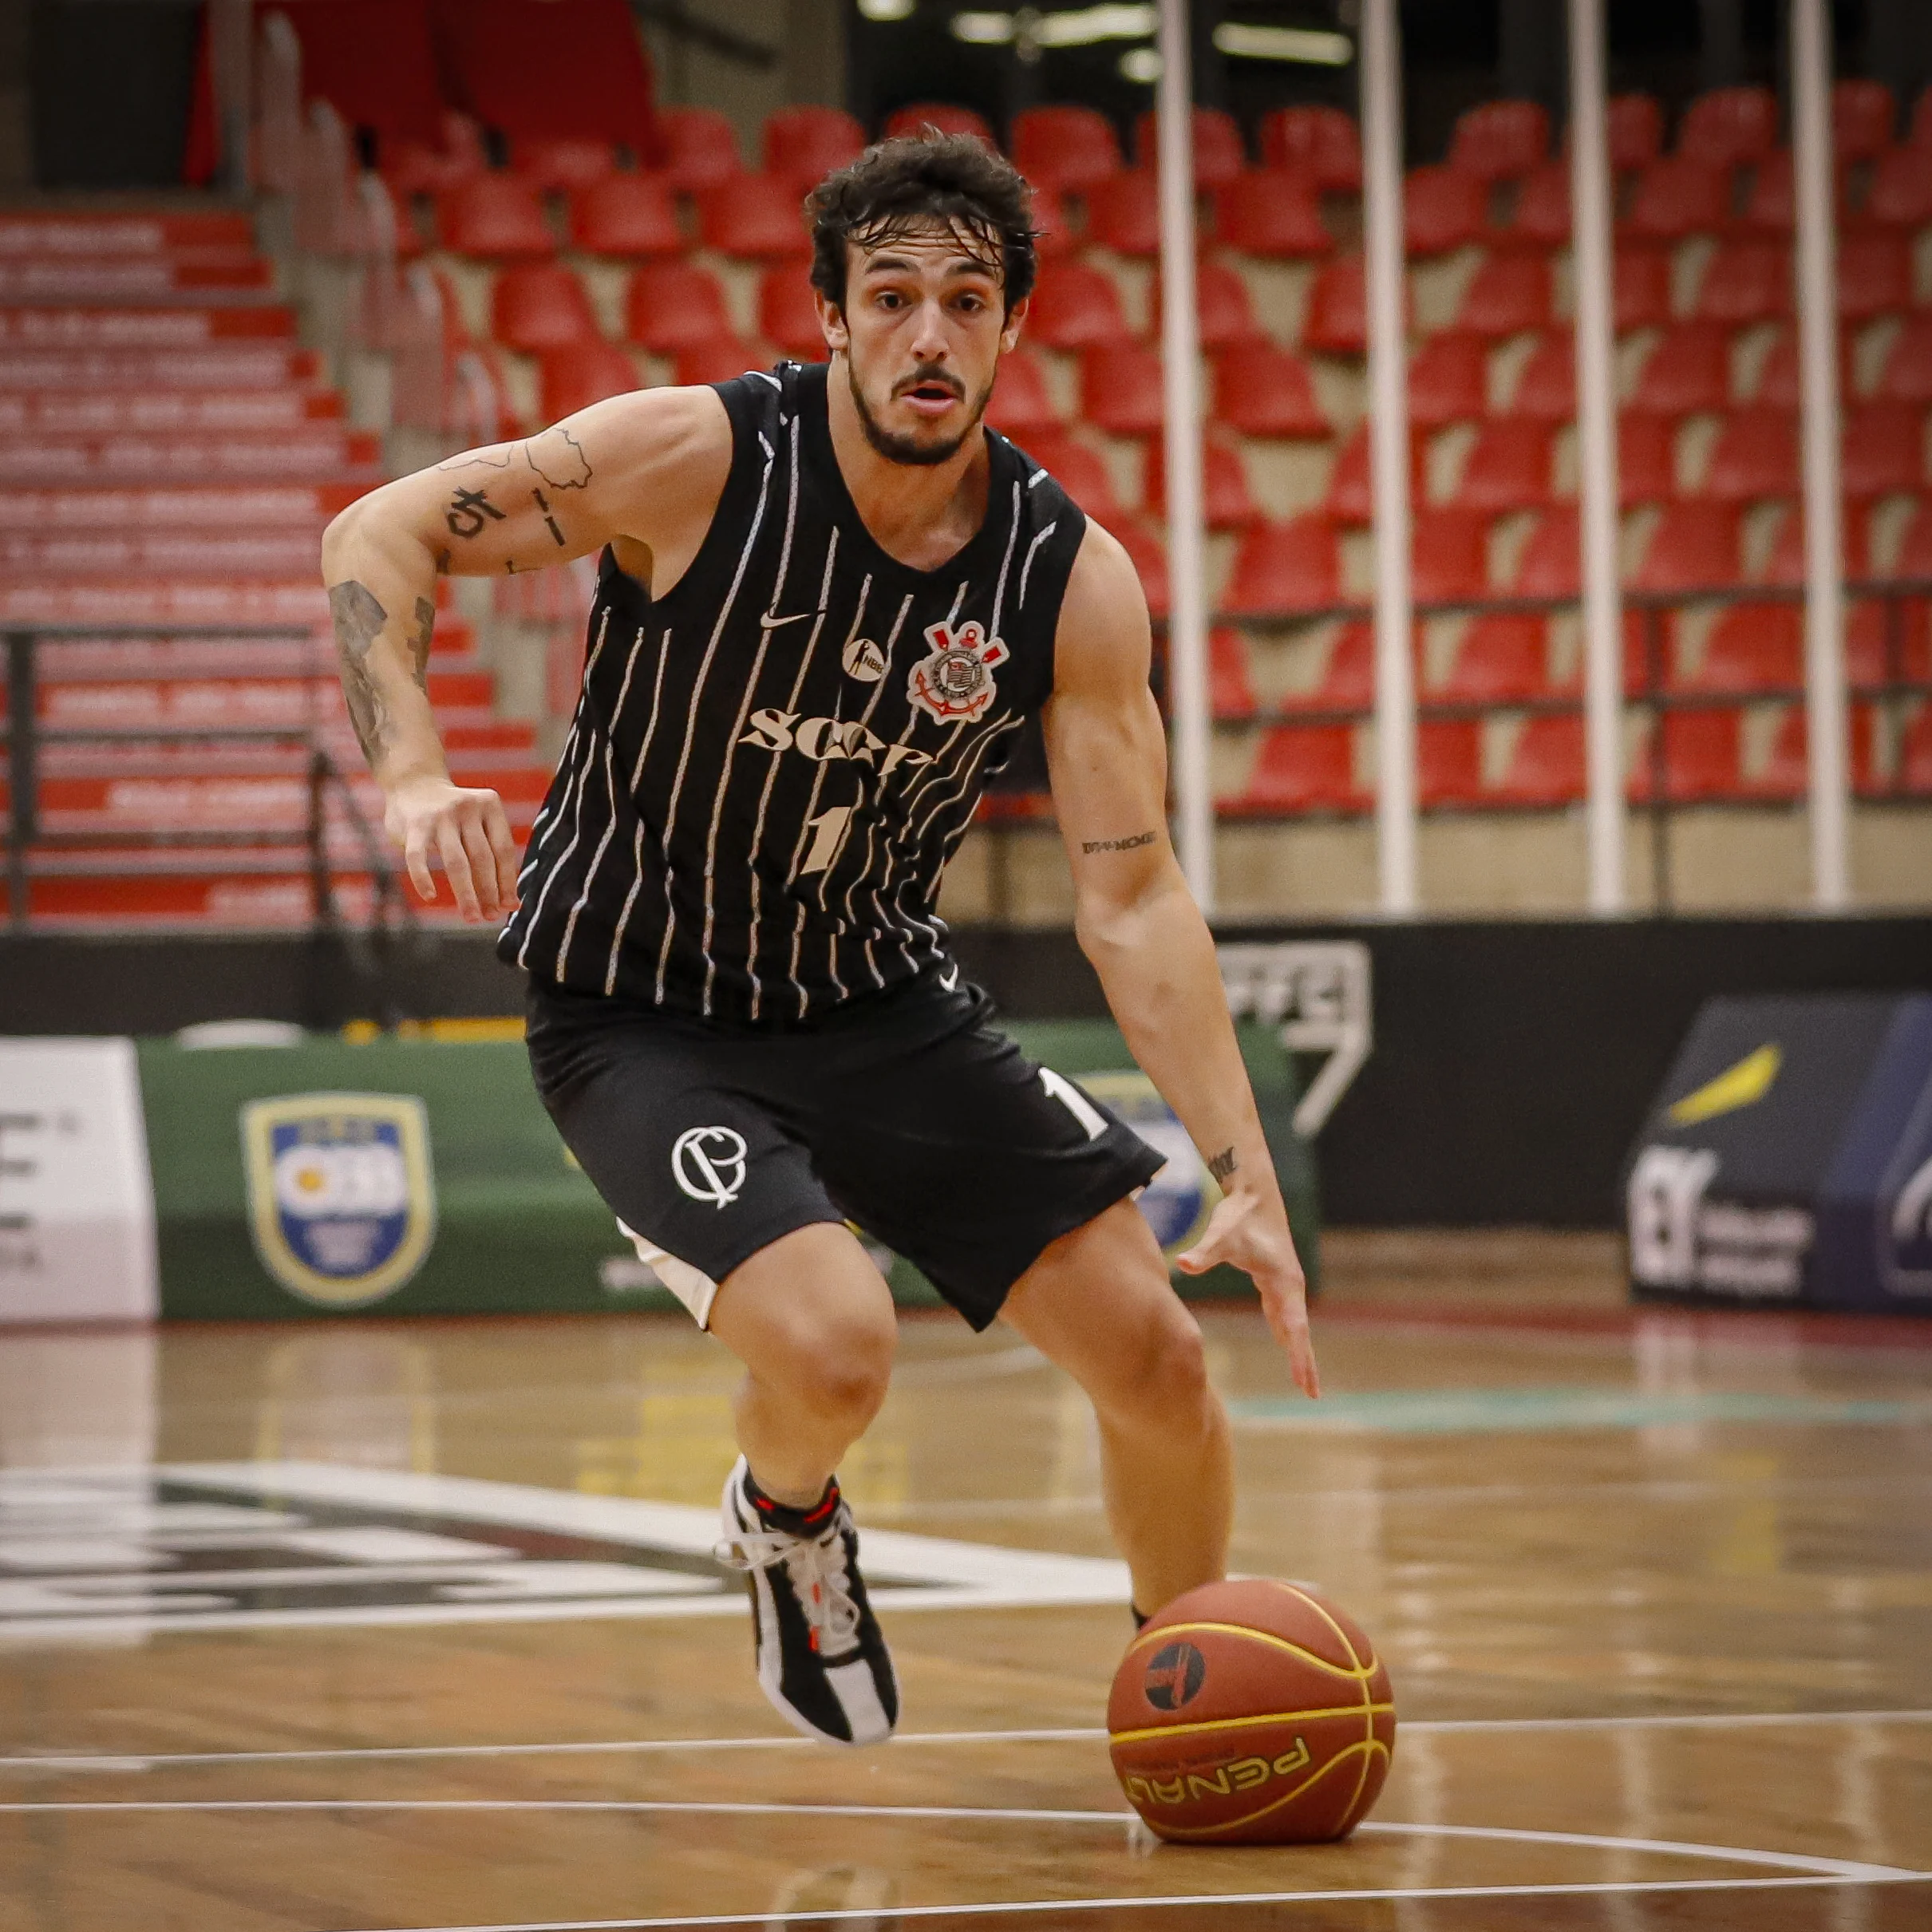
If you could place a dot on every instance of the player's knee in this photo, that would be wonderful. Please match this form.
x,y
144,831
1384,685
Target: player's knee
x,y
1161,1372
845,1370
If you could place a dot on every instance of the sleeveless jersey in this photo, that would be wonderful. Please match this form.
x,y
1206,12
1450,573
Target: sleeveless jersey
x,y
770,765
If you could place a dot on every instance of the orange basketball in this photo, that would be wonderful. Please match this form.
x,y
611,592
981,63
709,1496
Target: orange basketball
x,y
1251,1714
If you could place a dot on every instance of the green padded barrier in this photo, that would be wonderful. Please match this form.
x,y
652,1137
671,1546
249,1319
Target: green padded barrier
x,y
422,1176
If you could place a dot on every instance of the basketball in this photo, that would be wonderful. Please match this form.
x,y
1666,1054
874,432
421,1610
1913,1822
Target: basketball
x,y
1251,1714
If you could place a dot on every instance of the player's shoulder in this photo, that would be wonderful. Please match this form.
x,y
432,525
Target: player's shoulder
x,y
1103,584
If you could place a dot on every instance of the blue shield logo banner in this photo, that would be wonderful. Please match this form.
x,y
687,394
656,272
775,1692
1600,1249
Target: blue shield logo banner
x,y
341,1196
1178,1199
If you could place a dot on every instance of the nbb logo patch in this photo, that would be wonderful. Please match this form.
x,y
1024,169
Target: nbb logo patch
x,y
341,1198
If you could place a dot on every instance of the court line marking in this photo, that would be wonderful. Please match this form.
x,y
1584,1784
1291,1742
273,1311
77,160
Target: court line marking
x,y
873,1915
1838,1870
142,1761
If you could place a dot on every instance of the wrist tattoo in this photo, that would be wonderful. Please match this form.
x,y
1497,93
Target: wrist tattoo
x,y
1222,1164
1120,845
359,618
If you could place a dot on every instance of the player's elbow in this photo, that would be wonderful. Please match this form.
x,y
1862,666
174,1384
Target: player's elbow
x,y
340,541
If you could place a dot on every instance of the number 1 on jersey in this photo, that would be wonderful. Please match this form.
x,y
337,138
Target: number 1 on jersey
x,y
827,833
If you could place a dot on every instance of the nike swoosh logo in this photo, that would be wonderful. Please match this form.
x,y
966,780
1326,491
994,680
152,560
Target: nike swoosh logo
x,y
950,980
767,621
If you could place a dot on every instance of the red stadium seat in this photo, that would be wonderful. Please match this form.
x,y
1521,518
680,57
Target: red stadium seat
x,y
1271,212
1501,141
1022,406
716,359
1546,388
1694,546
412,167
1641,288
1751,647
1884,450
1901,193
626,215
1874,275
1744,282
1634,123
1688,371
1076,305
556,163
1351,492
1646,459
1503,657
1448,381
1124,213
1771,208
787,314
1508,295
1907,374
1677,196
671,306
1729,126
755,218
1786,773
1443,209
1065,147
1081,472
1230,689
1149,557
1224,479
1756,455
1218,155
1348,678
1550,564
399,98
804,144
1052,238
1864,120
1336,322
1702,756
1120,389
575,68
1546,765
538,305
700,147
1262,390
1223,311
1303,767
1451,560
1291,566
1542,215
940,116
494,217
580,374
1448,761
1509,466
1321,142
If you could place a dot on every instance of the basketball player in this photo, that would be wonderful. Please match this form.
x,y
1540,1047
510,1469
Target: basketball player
x,y
828,598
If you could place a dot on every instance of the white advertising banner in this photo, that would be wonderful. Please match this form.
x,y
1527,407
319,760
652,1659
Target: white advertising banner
x,y
77,1203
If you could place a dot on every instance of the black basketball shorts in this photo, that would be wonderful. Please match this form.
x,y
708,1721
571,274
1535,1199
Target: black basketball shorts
x,y
909,1115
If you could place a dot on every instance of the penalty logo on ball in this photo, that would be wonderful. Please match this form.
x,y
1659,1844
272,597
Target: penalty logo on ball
x,y
1175,1677
1178,1201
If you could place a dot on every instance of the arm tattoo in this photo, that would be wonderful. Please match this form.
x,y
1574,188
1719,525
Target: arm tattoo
x,y
1222,1164
359,619
1120,845
419,644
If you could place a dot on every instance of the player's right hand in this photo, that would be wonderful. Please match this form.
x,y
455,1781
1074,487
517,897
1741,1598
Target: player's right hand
x,y
466,828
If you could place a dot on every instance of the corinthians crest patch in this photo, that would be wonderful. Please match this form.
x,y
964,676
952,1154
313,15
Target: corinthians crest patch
x,y
341,1198
954,685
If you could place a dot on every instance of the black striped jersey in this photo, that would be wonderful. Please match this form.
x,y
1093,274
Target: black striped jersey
x,y
770,765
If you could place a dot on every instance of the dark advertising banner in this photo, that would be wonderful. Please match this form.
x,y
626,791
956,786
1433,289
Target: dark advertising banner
x,y
1787,1161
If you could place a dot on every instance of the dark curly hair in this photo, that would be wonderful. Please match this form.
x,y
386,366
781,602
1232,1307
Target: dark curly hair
x,y
897,186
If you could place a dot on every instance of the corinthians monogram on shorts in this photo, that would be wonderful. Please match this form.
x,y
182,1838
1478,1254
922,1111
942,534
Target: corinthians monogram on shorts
x,y
770,765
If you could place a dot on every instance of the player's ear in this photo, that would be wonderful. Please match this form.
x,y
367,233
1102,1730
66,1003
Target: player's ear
x,y
1016,320
832,320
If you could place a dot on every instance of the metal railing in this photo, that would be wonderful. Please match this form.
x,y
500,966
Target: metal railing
x,y
25,737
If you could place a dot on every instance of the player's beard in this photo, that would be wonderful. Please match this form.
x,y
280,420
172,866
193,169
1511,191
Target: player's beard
x,y
907,450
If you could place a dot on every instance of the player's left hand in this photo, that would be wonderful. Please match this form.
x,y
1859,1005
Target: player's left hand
x,y
1250,1231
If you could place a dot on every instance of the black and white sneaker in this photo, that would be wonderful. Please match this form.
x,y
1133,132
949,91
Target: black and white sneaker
x,y
822,1658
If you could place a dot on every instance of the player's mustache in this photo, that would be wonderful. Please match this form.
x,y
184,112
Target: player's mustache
x,y
930,373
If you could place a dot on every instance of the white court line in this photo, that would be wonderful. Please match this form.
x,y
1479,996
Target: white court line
x,y
872,1914
161,1760
1838,1869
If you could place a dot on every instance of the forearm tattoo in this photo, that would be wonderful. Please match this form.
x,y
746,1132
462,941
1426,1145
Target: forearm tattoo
x,y
1120,845
419,644
359,619
1222,1164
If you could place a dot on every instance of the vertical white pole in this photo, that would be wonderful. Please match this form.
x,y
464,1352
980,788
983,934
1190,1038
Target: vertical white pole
x,y
1590,194
1181,376
1380,54
1824,614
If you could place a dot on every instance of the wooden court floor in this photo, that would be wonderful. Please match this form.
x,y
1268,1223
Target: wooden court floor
x,y
356,1628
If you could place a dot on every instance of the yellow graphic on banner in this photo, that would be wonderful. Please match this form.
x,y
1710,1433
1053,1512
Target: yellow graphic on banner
x,y
1739,1086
